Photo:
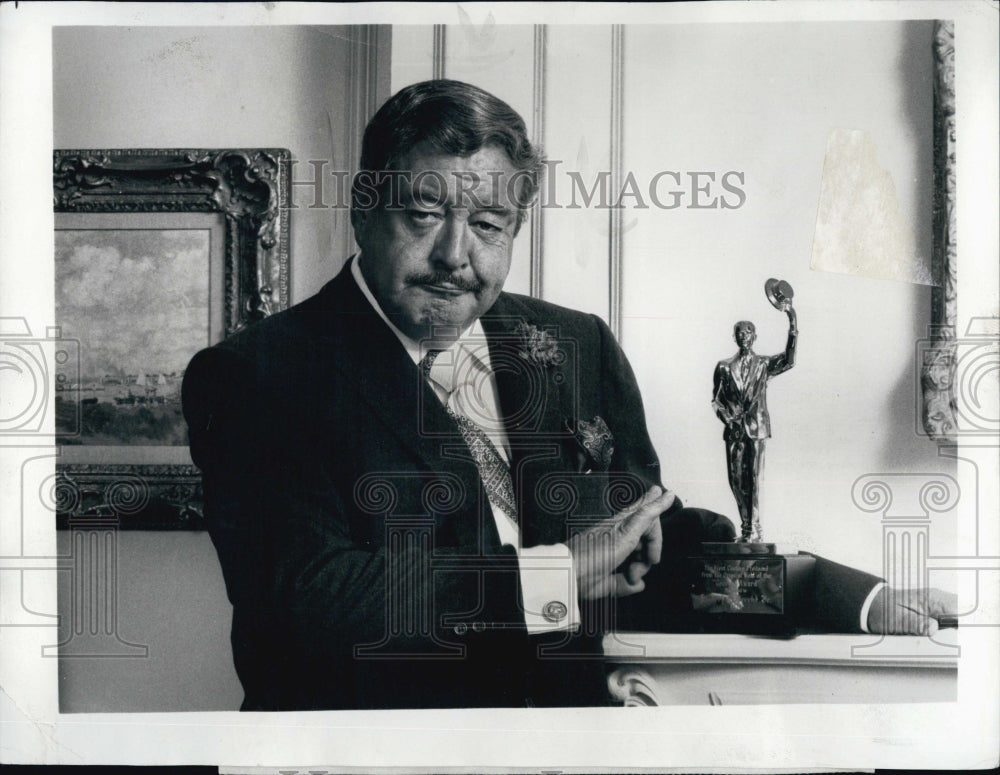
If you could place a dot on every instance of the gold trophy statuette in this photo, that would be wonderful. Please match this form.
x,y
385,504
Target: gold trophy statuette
x,y
740,402
745,586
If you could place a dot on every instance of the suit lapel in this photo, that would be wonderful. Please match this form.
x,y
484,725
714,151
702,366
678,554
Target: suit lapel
x,y
735,373
369,354
389,383
391,386
532,411
529,400
758,369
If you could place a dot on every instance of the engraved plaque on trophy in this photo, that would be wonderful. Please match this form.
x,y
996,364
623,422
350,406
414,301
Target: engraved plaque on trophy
x,y
747,588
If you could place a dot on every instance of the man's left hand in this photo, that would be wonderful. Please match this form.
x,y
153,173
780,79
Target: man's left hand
x,y
633,534
910,611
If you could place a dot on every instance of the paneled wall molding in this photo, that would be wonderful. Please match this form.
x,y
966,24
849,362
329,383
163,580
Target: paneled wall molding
x,y
369,62
538,138
370,49
617,157
438,55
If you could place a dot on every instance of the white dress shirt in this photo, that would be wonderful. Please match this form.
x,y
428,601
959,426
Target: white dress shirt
x,y
463,380
868,604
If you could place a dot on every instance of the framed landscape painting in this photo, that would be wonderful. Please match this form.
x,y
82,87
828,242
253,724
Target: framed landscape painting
x,y
158,254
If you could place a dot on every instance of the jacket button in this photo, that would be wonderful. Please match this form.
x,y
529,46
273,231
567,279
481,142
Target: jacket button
x,y
461,628
478,627
554,611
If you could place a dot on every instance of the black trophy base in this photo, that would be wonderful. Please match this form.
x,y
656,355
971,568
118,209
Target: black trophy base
x,y
745,588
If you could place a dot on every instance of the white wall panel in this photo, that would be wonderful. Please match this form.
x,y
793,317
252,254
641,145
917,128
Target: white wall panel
x,y
500,59
578,135
761,100
412,54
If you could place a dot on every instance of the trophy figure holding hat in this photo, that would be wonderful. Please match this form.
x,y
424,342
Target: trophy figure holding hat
x,y
747,585
740,402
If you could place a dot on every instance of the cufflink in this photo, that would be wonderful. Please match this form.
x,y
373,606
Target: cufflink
x,y
554,611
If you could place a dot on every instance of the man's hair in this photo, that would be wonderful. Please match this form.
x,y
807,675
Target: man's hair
x,y
744,323
455,118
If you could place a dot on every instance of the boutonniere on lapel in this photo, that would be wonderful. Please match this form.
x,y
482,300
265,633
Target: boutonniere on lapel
x,y
596,444
538,345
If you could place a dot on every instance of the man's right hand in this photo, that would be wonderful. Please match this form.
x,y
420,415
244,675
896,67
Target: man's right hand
x,y
632,534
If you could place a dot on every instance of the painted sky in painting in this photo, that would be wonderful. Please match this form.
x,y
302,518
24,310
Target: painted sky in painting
x,y
136,299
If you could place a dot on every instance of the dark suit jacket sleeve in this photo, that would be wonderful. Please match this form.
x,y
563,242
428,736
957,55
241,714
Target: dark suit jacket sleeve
x,y
839,593
718,400
622,409
782,362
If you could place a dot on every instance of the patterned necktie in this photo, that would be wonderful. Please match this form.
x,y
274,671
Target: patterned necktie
x,y
493,469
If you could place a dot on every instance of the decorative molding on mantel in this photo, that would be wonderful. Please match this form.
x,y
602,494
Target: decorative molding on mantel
x,y
633,687
807,649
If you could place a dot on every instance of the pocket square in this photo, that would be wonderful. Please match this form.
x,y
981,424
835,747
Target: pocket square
x,y
596,440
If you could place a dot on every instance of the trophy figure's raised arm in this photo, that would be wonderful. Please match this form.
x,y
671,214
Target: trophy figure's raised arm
x,y
740,401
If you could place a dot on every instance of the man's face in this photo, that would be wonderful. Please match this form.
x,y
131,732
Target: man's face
x,y
744,335
440,258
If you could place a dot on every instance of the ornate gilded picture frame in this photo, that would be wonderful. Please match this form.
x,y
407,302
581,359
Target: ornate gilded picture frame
x,y
159,253
937,355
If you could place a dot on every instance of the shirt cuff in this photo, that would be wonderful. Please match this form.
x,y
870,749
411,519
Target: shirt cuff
x,y
868,604
548,588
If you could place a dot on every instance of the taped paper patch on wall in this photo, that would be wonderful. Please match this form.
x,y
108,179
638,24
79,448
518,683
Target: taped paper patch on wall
x,y
859,228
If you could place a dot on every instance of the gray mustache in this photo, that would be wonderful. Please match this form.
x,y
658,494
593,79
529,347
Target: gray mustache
x,y
443,278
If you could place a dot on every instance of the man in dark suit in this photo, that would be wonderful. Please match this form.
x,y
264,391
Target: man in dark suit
x,y
425,492
739,397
